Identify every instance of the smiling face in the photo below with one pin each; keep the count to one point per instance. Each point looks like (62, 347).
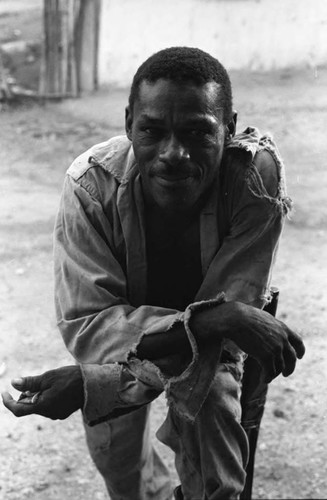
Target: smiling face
(178, 136)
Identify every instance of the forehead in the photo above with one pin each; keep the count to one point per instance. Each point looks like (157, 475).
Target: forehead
(185, 99)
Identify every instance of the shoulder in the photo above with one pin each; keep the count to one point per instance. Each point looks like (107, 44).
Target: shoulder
(252, 158)
(114, 156)
(267, 168)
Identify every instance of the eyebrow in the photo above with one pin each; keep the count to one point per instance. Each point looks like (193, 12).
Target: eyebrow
(203, 120)
(191, 121)
(150, 119)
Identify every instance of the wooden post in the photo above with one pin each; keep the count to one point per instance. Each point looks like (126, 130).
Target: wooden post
(5, 93)
(58, 66)
(87, 42)
(70, 53)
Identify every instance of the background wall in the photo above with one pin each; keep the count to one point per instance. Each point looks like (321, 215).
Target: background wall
(251, 34)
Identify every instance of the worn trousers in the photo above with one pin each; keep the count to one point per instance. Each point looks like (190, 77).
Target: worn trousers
(210, 454)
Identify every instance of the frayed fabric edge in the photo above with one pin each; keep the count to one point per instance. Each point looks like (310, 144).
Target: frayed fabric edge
(140, 367)
(135, 363)
(283, 201)
(189, 311)
(93, 383)
(255, 185)
(172, 403)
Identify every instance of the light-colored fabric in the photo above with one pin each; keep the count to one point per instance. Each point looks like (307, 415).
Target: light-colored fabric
(211, 454)
(129, 463)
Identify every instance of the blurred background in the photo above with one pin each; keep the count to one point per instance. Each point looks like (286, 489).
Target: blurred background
(65, 72)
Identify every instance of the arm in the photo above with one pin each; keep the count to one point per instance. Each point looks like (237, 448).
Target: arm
(56, 394)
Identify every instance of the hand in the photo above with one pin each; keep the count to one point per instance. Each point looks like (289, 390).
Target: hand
(55, 394)
(275, 346)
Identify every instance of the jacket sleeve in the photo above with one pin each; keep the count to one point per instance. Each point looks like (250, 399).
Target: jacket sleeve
(98, 325)
(96, 321)
(256, 207)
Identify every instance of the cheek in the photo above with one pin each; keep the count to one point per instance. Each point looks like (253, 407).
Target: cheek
(144, 153)
(208, 161)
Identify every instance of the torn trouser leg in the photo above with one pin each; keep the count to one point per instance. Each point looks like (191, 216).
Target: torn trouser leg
(127, 460)
(211, 453)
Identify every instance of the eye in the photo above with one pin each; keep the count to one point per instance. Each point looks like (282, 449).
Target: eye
(198, 133)
(150, 130)
(151, 134)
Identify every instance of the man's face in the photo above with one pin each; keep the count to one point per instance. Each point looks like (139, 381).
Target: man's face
(178, 137)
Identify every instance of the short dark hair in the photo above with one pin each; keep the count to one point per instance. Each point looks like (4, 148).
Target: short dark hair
(181, 64)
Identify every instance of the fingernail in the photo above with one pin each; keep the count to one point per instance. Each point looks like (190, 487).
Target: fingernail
(17, 381)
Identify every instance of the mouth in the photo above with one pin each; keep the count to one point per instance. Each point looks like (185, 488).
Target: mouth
(174, 180)
(174, 177)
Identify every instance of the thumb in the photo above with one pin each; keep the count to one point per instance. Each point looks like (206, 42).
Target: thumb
(32, 384)
(6, 397)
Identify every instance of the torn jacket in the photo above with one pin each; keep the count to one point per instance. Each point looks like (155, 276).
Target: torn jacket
(101, 268)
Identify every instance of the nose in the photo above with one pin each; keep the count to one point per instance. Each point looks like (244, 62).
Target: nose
(174, 152)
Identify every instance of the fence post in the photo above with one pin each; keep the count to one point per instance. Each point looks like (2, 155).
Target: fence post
(87, 42)
(70, 50)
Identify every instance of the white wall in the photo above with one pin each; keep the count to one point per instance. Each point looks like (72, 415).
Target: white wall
(253, 34)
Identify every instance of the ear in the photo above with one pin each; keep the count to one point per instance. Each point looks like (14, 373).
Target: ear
(232, 124)
(128, 122)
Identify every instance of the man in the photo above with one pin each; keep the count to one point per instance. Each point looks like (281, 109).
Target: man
(164, 246)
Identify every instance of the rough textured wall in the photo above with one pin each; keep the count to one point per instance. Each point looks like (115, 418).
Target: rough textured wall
(255, 34)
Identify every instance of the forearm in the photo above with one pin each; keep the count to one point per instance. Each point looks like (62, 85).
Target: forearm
(208, 326)
(164, 344)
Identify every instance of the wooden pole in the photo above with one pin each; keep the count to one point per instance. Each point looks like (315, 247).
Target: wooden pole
(87, 43)
(5, 92)
(58, 67)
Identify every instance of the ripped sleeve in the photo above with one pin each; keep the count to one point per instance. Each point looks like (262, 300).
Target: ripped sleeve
(266, 177)
(248, 253)
(257, 205)
(114, 389)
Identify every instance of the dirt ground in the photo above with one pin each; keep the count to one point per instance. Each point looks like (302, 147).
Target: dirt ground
(45, 460)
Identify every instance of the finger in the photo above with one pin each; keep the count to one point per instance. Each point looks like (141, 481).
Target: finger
(25, 395)
(268, 377)
(32, 384)
(297, 343)
(279, 363)
(290, 361)
(19, 409)
(29, 397)
(25, 398)
(269, 370)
